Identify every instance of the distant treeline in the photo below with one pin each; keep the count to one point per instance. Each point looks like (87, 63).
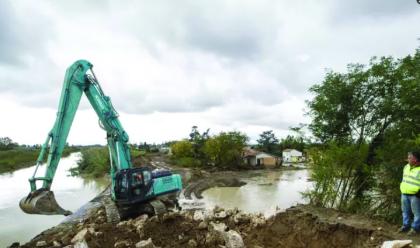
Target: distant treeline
(14, 156)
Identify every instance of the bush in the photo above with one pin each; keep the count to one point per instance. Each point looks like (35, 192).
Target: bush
(94, 162)
(335, 174)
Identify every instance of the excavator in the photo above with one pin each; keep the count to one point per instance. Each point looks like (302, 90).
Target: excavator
(133, 189)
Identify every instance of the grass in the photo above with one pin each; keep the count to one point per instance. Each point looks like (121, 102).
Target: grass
(18, 158)
(94, 162)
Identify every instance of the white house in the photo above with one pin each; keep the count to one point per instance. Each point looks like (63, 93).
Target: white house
(292, 155)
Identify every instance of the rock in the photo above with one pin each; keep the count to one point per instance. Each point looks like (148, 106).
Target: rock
(211, 239)
(233, 239)
(141, 219)
(100, 220)
(258, 221)
(122, 224)
(218, 227)
(122, 244)
(396, 243)
(56, 243)
(145, 244)
(198, 215)
(81, 244)
(14, 245)
(180, 237)
(41, 243)
(217, 209)
(170, 216)
(203, 225)
(154, 219)
(82, 235)
(192, 243)
(98, 234)
(220, 215)
(241, 218)
(140, 232)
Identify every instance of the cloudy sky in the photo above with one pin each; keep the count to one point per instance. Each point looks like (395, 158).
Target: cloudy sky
(168, 65)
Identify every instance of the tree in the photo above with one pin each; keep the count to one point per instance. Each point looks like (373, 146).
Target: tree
(374, 106)
(268, 142)
(7, 143)
(225, 149)
(182, 149)
(197, 140)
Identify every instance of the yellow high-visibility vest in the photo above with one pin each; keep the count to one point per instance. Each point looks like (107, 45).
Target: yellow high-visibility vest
(411, 180)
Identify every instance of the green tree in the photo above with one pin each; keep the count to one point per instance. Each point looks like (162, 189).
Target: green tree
(268, 142)
(197, 140)
(7, 143)
(374, 106)
(225, 149)
(182, 149)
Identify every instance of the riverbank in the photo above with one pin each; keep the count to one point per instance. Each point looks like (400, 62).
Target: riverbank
(300, 226)
(18, 158)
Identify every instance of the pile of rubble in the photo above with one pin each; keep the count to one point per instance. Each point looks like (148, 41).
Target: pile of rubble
(297, 227)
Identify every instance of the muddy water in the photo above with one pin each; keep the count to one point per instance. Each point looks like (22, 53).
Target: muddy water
(70, 192)
(264, 192)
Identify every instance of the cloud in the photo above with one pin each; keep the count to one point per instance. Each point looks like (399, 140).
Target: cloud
(25, 32)
(241, 64)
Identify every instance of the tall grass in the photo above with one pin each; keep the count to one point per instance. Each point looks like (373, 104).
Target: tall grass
(18, 158)
(94, 162)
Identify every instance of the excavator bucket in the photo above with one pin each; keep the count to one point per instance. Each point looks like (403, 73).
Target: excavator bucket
(42, 202)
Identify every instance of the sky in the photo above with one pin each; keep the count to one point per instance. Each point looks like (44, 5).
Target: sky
(236, 65)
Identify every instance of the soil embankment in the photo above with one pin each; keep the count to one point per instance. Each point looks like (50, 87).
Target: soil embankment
(300, 226)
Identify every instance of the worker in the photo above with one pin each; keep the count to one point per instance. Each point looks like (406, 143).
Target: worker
(410, 195)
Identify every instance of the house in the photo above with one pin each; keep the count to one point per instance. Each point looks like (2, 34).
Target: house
(292, 156)
(256, 158)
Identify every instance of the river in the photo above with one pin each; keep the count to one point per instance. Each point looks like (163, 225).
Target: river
(265, 190)
(71, 193)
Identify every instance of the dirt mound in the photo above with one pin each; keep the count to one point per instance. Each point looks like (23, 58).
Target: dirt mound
(302, 226)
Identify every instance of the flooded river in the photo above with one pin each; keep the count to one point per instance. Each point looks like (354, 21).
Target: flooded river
(265, 190)
(71, 193)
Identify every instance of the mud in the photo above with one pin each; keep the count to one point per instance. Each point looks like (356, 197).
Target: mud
(301, 226)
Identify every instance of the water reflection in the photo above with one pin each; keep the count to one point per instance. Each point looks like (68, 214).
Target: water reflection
(71, 193)
(263, 193)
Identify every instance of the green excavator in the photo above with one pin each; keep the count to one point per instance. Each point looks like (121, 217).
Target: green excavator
(133, 190)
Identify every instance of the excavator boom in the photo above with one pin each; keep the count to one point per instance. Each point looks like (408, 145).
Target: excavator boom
(80, 79)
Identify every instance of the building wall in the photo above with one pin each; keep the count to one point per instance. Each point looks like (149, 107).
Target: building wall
(269, 161)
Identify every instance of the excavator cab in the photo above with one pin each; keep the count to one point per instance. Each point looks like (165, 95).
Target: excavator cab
(137, 185)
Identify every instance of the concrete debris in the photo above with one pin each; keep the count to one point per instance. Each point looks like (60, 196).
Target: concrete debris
(145, 244)
(233, 239)
(41, 243)
(397, 244)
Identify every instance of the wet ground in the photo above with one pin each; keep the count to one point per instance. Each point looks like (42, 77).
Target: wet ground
(301, 226)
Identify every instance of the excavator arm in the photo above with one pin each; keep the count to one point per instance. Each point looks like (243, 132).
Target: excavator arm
(77, 80)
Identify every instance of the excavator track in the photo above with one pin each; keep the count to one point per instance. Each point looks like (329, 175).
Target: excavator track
(158, 207)
(111, 210)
